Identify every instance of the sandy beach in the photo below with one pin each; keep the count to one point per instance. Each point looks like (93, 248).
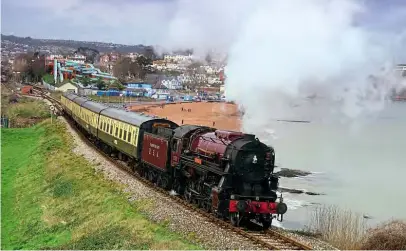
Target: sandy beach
(218, 115)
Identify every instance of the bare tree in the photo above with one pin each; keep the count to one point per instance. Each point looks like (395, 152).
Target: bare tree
(6, 72)
(127, 69)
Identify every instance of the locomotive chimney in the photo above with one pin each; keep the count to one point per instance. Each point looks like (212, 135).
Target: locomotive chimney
(249, 136)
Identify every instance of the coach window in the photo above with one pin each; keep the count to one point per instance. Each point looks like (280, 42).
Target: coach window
(121, 133)
(111, 128)
(104, 126)
(116, 134)
(129, 137)
(125, 135)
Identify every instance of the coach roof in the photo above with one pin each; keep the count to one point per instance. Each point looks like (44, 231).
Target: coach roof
(70, 96)
(95, 107)
(79, 100)
(128, 117)
(114, 113)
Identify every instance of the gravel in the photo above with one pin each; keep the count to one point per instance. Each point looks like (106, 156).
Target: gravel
(161, 209)
(310, 241)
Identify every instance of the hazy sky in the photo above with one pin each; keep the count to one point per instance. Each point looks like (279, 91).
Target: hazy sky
(152, 21)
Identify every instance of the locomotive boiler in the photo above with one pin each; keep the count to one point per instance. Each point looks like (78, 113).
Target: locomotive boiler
(228, 173)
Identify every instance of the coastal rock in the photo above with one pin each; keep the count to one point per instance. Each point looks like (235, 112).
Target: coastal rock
(291, 173)
(297, 191)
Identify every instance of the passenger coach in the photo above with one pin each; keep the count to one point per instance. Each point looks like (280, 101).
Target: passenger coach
(117, 130)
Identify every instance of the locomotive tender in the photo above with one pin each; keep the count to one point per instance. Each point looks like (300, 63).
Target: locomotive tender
(224, 172)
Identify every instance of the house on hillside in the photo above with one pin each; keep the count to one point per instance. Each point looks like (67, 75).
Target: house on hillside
(171, 83)
(160, 91)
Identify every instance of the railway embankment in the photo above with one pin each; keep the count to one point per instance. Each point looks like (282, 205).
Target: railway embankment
(52, 198)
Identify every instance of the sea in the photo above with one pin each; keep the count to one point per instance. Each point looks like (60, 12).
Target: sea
(358, 166)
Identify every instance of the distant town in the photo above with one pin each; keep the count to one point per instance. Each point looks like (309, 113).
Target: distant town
(93, 68)
(107, 69)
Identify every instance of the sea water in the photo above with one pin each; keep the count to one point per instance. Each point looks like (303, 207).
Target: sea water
(361, 167)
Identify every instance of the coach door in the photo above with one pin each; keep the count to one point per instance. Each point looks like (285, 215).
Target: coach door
(175, 148)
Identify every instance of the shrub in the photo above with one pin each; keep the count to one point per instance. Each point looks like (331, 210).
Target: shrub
(388, 236)
(341, 228)
(31, 109)
(49, 79)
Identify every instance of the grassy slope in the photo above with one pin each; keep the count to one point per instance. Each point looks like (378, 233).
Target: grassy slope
(52, 198)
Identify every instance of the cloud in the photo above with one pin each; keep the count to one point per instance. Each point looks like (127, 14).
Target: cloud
(173, 23)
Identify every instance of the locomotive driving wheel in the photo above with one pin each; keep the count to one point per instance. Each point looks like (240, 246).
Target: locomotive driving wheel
(151, 176)
(163, 181)
(207, 206)
(188, 195)
(201, 203)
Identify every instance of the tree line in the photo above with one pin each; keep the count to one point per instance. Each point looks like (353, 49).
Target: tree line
(126, 69)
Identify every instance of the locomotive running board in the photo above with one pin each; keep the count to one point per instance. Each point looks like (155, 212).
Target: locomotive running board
(202, 167)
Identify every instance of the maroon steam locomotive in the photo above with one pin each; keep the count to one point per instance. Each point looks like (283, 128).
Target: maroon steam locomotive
(224, 172)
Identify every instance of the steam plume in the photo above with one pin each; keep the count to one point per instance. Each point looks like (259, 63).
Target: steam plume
(288, 50)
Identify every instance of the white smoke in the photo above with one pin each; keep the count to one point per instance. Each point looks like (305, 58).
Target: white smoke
(282, 51)
(288, 50)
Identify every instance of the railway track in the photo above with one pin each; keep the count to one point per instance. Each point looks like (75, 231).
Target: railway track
(269, 239)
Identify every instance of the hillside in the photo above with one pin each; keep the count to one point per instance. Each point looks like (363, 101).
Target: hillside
(73, 44)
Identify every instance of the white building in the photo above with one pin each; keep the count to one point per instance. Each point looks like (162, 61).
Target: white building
(78, 58)
(54, 56)
(133, 56)
(178, 58)
(67, 87)
(171, 83)
(214, 80)
(184, 79)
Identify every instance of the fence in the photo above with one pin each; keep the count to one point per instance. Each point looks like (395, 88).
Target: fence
(4, 122)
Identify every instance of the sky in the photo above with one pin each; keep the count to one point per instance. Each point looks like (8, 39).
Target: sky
(179, 22)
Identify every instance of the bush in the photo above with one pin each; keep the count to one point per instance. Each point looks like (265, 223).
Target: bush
(49, 79)
(28, 109)
(341, 228)
(388, 236)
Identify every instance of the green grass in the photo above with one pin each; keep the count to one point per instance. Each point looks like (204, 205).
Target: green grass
(53, 199)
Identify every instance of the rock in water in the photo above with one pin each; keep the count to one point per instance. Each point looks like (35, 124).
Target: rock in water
(291, 173)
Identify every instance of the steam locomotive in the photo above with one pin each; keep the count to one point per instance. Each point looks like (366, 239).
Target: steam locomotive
(227, 173)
